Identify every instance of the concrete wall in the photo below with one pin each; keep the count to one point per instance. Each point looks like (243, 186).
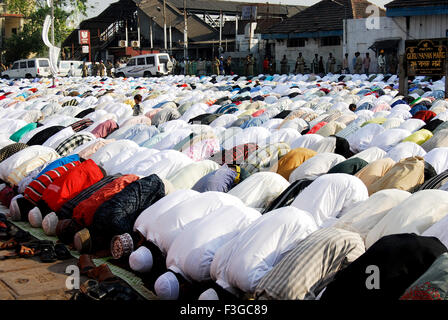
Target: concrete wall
(359, 38)
(312, 47)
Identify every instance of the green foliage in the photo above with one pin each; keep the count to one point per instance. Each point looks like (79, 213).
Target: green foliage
(29, 40)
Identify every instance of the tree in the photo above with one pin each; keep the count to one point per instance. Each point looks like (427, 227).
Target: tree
(29, 39)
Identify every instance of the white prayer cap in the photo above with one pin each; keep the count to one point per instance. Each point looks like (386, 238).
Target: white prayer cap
(141, 260)
(49, 224)
(14, 210)
(209, 294)
(35, 217)
(167, 286)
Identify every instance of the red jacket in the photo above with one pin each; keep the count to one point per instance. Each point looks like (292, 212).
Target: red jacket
(69, 186)
(33, 192)
(84, 211)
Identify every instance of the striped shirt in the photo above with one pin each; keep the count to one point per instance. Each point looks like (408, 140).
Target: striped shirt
(81, 124)
(305, 271)
(435, 182)
(37, 187)
(264, 158)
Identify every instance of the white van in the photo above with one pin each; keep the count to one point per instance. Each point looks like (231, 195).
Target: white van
(64, 67)
(28, 68)
(147, 65)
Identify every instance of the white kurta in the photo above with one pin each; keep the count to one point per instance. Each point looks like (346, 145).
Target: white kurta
(259, 189)
(362, 217)
(330, 195)
(243, 261)
(405, 150)
(414, 215)
(438, 158)
(151, 214)
(192, 252)
(169, 225)
(316, 166)
(187, 177)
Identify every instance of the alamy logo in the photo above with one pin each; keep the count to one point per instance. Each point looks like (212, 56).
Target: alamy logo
(373, 280)
(373, 20)
(72, 281)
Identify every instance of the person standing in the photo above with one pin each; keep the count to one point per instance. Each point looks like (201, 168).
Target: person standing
(358, 63)
(71, 72)
(315, 64)
(393, 64)
(300, 64)
(109, 67)
(102, 69)
(84, 70)
(250, 65)
(331, 63)
(216, 64)
(284, 65)
(266, 65)
(321, 65)
(228, 65)
(221, 65)
(382, 62)
(366, 63)
(345, 67)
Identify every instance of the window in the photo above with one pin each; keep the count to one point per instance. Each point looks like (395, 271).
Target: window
(31, 64)
(43, 63)
(297, 42)
(15, 66)
(163, 59)
(22, 64)
(131, 63)
(331, 41)
(150, 61)
(14, 30)
(141, 61)
(65, 65)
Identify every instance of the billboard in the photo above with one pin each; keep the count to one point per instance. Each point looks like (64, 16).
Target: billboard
(249, 13)
(426, 57)
(84, 37)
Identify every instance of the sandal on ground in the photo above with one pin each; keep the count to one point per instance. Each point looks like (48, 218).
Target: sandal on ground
(62, 252)
(8, 245)
(102, 273)
(47, 253)
(85, 264)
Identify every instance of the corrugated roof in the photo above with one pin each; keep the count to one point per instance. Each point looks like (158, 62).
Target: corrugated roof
(197, 29)
(415, 3)
(325, 15)
(233, 7)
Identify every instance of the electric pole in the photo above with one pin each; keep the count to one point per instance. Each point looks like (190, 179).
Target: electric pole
(164, 25)
(185, 32)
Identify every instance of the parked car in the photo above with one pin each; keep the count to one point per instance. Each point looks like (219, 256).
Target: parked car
(147, 65)
(64, 67)
(28, 68)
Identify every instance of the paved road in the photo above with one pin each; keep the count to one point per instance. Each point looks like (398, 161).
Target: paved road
(31, 279)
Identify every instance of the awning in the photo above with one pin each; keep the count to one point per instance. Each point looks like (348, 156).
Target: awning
(385, 44)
